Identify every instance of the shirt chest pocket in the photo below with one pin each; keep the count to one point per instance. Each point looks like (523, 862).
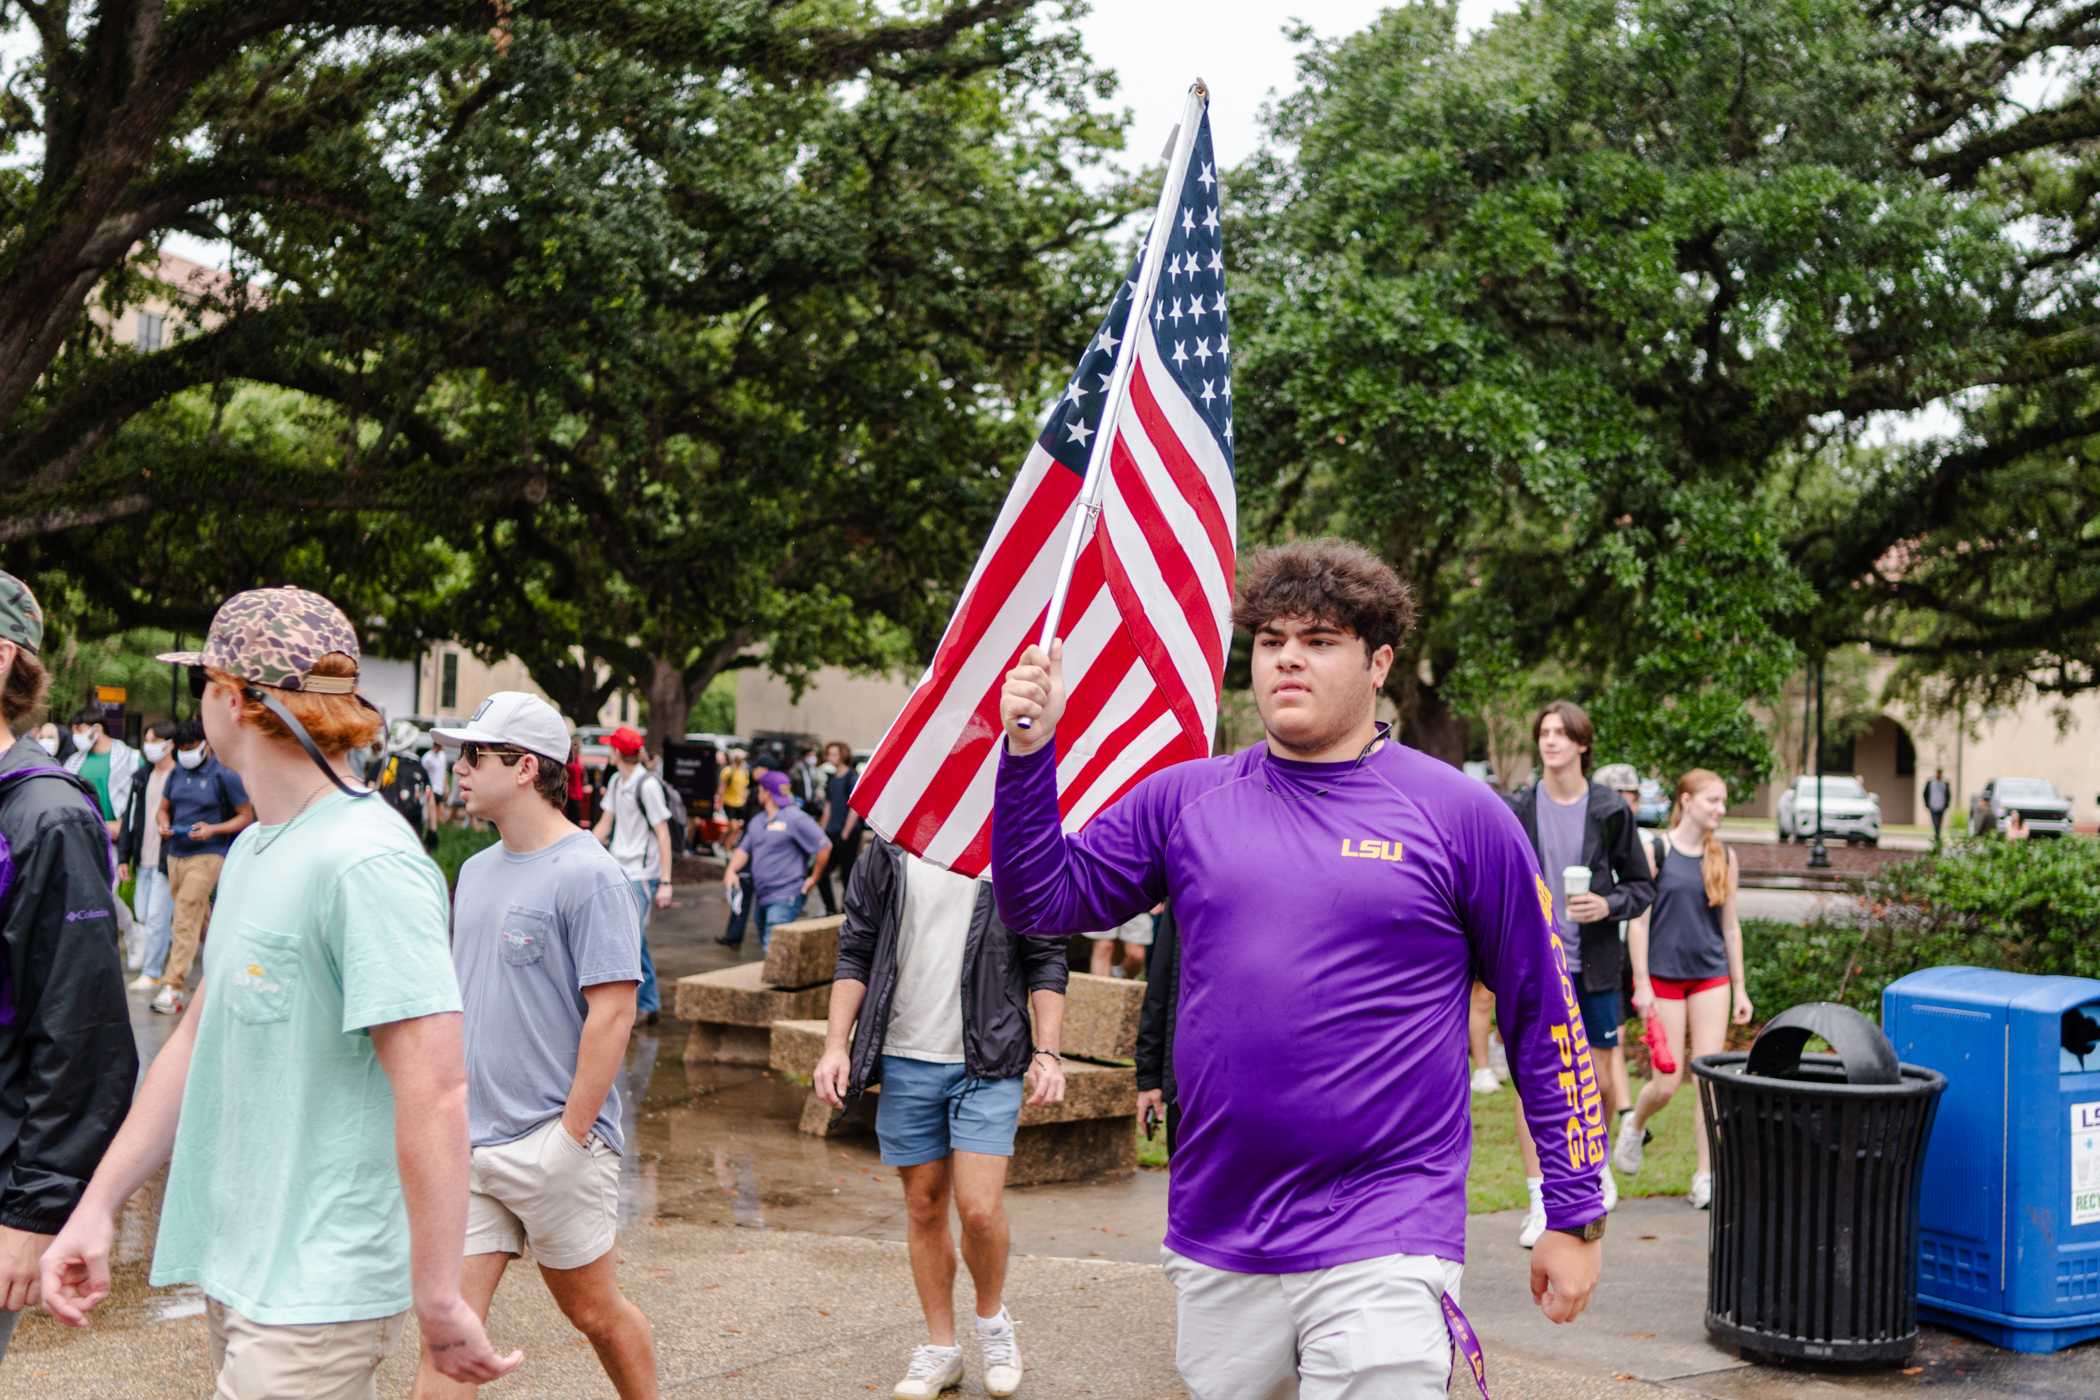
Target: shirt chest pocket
(524, 935)
(265, 976)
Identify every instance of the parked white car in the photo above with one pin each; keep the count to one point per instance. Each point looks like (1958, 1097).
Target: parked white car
(1849, 810)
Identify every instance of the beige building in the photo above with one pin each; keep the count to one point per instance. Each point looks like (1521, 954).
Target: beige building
(450, 682)
(836, 704)
(162, 315)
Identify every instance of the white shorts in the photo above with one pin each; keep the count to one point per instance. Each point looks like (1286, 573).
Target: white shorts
(1136, 932)
(1372, 1330)
(545, 1191)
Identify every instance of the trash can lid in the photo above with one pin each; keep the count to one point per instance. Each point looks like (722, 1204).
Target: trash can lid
(1861, 1048)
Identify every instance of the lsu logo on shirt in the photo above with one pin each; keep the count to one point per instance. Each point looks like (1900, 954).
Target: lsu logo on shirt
(1546, 902)
(1370, 848)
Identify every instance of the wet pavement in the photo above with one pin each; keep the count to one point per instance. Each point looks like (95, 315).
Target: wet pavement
(772, 1264)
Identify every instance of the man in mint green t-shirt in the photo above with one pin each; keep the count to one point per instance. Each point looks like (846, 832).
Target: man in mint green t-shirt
(317, 1178)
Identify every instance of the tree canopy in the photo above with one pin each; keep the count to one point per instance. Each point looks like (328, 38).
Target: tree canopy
(1598, 323)
(621, 337)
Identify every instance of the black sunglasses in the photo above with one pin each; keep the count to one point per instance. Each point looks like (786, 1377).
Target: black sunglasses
(471, 751)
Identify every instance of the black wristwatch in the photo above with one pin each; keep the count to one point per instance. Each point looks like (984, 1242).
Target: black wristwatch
(1586, 1233)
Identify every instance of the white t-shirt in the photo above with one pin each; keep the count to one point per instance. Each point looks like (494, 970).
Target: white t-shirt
(926, 1014)
(637, 806)
(436, 769)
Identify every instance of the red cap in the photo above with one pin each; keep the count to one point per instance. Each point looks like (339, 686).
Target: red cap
(627, 739)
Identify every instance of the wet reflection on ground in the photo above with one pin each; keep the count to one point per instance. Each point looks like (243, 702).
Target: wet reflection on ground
(713, 1144)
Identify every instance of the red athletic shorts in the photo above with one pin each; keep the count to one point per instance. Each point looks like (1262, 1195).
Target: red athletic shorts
(1671, 989)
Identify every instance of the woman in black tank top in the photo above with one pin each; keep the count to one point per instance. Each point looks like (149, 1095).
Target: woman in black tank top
(1687, 955)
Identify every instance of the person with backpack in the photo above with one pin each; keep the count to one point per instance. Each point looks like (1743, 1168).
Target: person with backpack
(204, 808)
(67, 1055)
(636, 827)
(1687, 956)
(399, 776)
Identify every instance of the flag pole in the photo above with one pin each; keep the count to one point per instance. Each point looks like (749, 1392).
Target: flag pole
(1182, 142)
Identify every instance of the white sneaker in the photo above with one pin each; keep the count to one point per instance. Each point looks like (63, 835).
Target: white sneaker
(1001, 1352)
(1626, 1155)
(1484, 1081)
(933, 1369)
(144, 983)
(1702, 1197)
(1611, 1193)
(169, 1002)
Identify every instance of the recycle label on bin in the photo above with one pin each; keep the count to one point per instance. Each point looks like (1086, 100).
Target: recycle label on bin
(2085, 1163)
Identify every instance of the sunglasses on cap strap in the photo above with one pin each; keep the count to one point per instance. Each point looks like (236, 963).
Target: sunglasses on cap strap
(471, 751)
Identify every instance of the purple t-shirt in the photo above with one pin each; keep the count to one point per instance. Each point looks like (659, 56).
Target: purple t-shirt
(1328, 944)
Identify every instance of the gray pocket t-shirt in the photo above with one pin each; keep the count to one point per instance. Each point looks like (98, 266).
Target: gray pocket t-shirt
(529, 933)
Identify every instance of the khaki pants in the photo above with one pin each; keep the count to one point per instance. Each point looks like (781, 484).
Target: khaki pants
(315, 1361)
(1372, 1330)
(191, 879)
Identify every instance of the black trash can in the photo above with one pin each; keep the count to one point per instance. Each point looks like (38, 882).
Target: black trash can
(1813, 1245)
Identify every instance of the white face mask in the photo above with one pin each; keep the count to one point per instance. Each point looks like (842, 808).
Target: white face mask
(82, 738)
(155, 751)
(190, 758)
(49, 746)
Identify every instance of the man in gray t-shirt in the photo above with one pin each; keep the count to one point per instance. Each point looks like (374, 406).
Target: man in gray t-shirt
(547, 942)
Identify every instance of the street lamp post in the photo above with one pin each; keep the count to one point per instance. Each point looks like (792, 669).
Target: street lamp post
(1819, 854)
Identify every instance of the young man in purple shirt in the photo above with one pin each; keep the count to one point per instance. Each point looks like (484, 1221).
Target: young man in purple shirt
(1336, 893)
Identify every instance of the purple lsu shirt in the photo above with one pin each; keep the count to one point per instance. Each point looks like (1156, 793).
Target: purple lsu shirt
(1327, 947)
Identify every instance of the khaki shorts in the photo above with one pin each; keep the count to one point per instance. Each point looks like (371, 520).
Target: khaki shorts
(545, 1191)
(316, 1361)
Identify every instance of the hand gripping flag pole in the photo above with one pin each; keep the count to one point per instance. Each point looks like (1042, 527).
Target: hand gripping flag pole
(1180, 144)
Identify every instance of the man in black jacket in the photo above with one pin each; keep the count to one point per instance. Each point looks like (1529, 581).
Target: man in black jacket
(1159, 1098)
(1583, 829)
(67, 1058)
(934, 993)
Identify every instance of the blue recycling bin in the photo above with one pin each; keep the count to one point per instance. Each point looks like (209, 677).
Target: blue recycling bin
(2009, 1238)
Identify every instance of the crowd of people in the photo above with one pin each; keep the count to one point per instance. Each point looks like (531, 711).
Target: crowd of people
(446, 1061)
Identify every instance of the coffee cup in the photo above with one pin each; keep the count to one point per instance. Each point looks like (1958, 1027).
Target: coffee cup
(1575, 880)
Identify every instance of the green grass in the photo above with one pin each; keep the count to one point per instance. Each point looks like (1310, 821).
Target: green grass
(456, 843)
(1496, 1181)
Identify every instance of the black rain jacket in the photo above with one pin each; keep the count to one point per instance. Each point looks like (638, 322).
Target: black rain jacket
(68, 1062)
(999, 971)
(1611, 848)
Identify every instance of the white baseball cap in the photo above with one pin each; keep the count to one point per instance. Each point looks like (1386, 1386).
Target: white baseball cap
(516, 719)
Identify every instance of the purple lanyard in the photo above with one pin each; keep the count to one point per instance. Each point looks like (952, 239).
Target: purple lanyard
(1468, 1343)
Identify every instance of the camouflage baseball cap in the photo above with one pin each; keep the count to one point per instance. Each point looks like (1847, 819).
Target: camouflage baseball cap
(275, 637)
(21, 620)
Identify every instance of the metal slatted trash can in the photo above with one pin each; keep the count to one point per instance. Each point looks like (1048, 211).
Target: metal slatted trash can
(1813, 1244)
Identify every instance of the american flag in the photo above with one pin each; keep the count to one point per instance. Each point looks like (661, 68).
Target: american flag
(1147, 621)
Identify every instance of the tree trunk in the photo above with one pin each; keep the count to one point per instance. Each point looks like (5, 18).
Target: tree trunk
(670, 701)
(1427, 722)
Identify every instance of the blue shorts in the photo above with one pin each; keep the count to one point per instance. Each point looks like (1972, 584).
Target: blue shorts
(1602, 1017)
(926, 1111)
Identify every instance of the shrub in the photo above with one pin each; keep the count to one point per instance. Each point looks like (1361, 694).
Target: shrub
(2024, 906)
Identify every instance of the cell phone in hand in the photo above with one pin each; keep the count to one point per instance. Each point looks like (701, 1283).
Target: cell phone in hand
(1151, 1121)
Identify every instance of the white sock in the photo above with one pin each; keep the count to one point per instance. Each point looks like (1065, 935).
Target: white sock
(1536, 1185)
(953, 1346)
(996, 1324)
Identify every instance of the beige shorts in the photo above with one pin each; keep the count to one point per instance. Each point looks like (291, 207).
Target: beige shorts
(545, 1191)
(316, 1361)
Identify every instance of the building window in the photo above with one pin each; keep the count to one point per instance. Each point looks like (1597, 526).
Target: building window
(153, 330)
(1906, 754)
(626, 708)
(448, 684)
(1837, 757)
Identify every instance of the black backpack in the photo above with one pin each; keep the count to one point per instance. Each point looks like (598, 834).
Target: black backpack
(400, 780)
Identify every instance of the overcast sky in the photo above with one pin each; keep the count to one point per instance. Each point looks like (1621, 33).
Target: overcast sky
(1158, 47)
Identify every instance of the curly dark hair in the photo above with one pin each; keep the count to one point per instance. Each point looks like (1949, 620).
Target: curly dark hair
(1326, 580)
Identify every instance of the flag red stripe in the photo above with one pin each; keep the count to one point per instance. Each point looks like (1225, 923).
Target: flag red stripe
(1111, 748)
(1171, 559)
(1032, 531)
(1182, 467)
(959, 767)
